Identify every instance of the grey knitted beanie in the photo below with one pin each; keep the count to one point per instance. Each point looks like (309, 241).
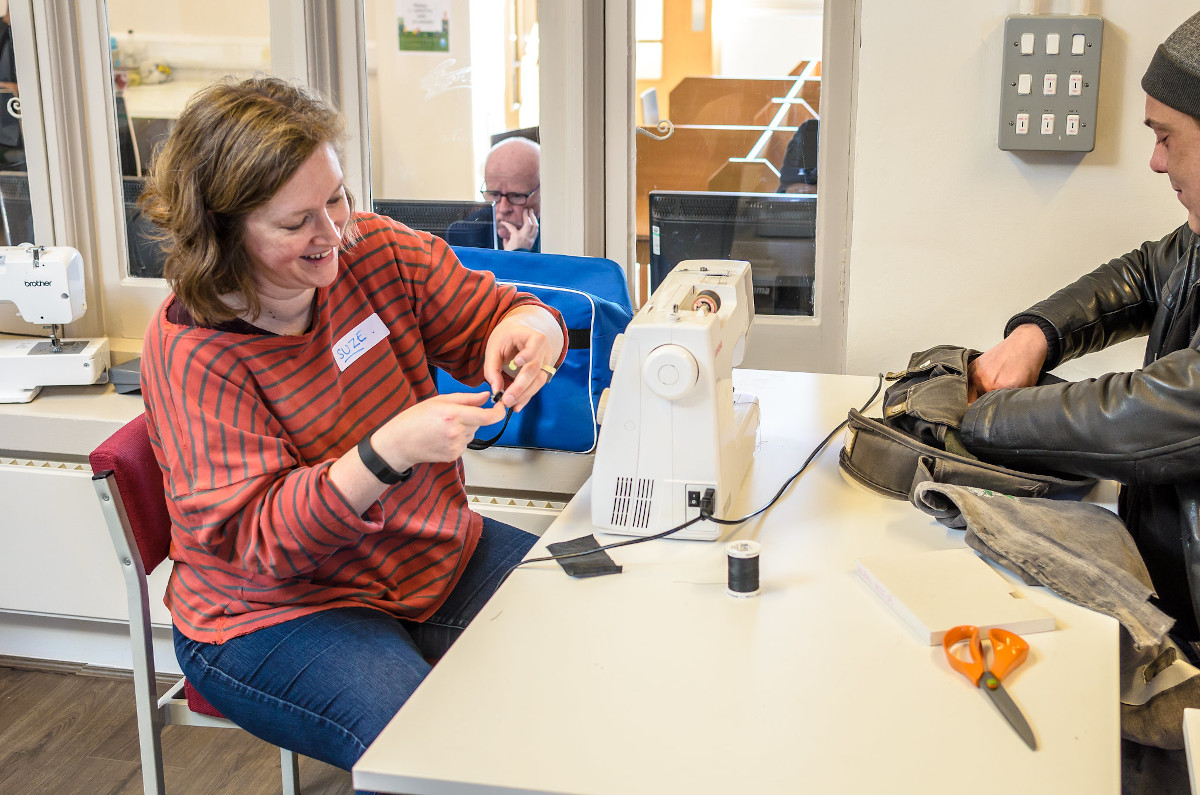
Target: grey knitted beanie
(1174, 74)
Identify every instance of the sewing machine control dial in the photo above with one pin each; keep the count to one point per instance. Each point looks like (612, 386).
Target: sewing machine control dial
(615, 354)
(602, 405)
(670, 371)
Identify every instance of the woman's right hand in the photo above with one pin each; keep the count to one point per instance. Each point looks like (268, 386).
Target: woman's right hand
(436, 429)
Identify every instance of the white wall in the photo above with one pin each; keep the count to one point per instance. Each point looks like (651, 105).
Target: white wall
(422, 129)
(752, 38)
(952, 236)
(194, 39)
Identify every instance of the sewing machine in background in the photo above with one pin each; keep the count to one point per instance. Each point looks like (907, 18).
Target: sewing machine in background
(46, 284)
(673, 436)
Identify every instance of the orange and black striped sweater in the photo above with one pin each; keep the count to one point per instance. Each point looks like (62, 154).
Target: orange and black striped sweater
(246, 426)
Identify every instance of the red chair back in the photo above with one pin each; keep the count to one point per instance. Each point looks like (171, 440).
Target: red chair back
(130, 457)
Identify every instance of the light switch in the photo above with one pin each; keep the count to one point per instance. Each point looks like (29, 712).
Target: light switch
(1048, 97)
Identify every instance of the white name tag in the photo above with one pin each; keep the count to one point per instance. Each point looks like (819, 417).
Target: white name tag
(365, 336)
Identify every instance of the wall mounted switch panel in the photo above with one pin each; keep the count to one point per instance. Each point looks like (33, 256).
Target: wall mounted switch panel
(1050, 74)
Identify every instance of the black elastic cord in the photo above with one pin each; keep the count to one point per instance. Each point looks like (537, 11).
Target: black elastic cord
(483, 444)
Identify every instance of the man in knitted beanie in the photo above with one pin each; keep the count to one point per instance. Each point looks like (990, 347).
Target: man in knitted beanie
(1140, 428)
(1172, 86)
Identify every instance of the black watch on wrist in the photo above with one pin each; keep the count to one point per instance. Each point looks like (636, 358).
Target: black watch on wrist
(378, 467)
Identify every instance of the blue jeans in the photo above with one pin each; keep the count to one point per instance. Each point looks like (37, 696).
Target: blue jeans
(326, 684)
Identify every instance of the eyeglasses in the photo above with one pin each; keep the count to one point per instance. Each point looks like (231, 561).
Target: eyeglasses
(515, 199)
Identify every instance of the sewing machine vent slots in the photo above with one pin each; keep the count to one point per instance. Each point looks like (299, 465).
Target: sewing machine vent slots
(673, 434)
(630, 509)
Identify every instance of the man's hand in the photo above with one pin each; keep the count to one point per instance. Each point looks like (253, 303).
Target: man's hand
(1015, 362)
(520, 237)
(530, 337)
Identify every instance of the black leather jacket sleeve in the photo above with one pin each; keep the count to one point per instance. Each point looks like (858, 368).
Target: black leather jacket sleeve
(1115, 302)
(1137, 427)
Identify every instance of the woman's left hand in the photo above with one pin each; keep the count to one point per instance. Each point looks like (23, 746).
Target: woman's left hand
(532, 339)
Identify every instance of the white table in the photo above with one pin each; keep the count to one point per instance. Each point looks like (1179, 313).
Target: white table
(160, 100)
(657, 681)
(1191, 745)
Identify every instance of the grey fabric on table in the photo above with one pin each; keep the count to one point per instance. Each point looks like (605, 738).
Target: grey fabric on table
(1080, 551)
(1083, 553)
(1159, 722)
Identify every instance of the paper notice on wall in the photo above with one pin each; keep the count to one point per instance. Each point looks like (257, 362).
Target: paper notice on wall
(423, 25)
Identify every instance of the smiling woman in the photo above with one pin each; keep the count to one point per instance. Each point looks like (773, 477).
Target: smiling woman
(320, 526)
(293, 242)
(222, 249)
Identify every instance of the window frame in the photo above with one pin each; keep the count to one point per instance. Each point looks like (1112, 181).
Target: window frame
(588, 123)
(815, 344)
(71, 140)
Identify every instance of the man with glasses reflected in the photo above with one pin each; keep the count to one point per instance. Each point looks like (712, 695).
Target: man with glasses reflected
(511, 182)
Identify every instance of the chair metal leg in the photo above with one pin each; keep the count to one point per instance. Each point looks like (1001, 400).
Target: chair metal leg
(149, 717)
(150, 744)
(289, 761)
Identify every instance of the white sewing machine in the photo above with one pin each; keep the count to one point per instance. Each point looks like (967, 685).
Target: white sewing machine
(672, 433)
(46, 284)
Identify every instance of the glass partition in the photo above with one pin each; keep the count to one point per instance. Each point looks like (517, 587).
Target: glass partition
(16, 212)
(739, 82)
(446, 81)
(162, 53)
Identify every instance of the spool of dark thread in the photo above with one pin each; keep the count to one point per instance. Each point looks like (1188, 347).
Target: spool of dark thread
(743, 568)
(707, 299)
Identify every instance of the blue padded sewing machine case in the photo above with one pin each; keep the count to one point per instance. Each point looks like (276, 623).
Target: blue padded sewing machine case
(593, 298)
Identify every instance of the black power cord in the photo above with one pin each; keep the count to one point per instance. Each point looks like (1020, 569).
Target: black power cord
(816, 451)
(703, 514)
(27, 336)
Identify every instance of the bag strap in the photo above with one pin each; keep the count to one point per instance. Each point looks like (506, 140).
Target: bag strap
(579, 339)
(891, 462)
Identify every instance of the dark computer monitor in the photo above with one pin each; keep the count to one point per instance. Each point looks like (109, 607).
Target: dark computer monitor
(459, 223)
(16, 211)
(16, 222)
(146, 257)
(774, 232)
(132, 188)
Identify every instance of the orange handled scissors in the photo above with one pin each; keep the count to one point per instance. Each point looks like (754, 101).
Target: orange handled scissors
(1008, 651)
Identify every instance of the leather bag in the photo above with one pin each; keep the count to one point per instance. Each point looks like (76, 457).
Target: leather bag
(917, 439)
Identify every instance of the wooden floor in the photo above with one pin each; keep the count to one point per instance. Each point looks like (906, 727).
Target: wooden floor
(69, 731)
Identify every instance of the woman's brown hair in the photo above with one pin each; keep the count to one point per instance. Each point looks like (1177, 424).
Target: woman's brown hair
(231, 150)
